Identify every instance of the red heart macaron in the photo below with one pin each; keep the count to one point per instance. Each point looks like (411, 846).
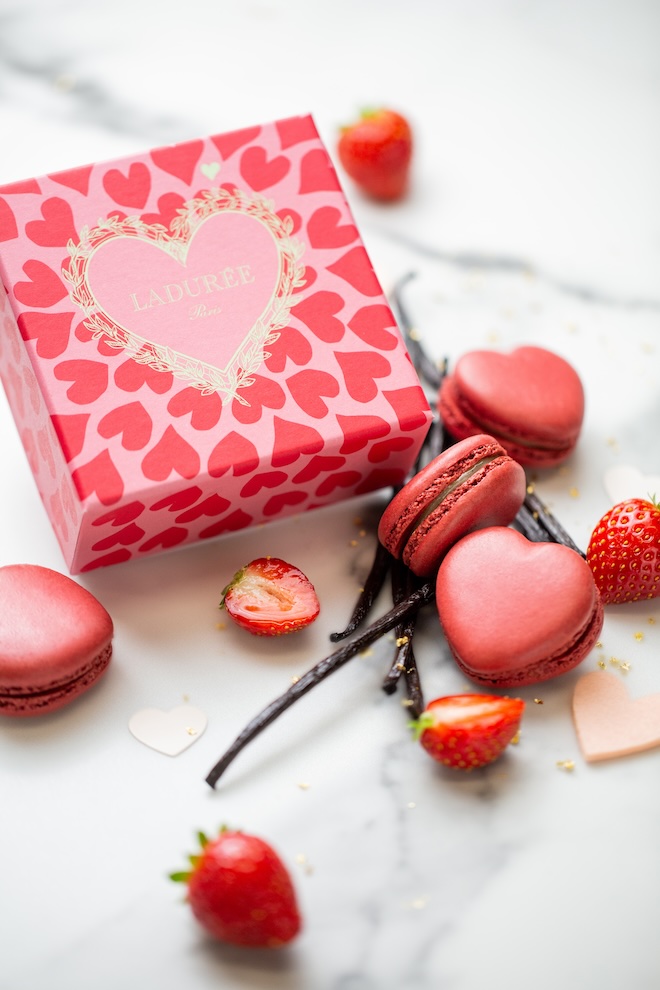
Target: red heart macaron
(55, 640)
(530, 399)
(516, 612)
(472, 484)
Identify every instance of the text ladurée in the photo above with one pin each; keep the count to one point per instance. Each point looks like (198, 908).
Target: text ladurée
(231, 277)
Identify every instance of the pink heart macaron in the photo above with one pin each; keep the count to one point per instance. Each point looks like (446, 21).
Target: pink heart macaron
(472, 484)
(530, 399)
(516, 612)
(55, 640)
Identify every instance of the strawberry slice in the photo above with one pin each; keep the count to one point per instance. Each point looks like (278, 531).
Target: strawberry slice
(466, 731)
(269, 597)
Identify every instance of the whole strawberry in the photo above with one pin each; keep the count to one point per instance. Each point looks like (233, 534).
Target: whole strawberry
(240, 891)
(269, 597)
(467, 731)
(624, 552)
(376, 152)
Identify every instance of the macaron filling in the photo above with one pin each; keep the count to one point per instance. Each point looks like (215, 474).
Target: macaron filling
(437, 500)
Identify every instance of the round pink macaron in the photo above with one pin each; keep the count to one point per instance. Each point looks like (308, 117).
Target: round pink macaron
(530, 399)
(472, 484)
(55, 640)
(516, 612)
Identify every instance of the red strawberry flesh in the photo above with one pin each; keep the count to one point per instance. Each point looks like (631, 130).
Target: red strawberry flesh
(270, 597)
(466, 731)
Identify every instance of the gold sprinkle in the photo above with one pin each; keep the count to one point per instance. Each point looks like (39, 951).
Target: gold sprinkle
(599, 645)
(362, 532)
(301, 858)
(400, 666)
(573, 492)
(303, 785)
(516, 739)
(538, 701)
(221, 625)
(639, 636)
(366, 653)
(352, 543)
(613, 661)
(191, 731)
(625, 667)
(402, 640)
(414, 334)
(651, 620)
(406, 702)
(530, 489)
(186, 698)
(602, 664)
(566, 765)
(295, 679)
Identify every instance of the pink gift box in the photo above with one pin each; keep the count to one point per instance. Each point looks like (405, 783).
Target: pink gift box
(194, 341)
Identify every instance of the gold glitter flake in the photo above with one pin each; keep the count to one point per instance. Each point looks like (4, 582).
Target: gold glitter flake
(295, 679)
(303, 785)
(567, 765)
(614, 661)
(651, 620)
(639, 636)
(538, 701)
(220, 626)
(516, 739)
(624, 666)
(406, 702)
(402, 640)
(573, 492)
(352, 543)
(602, 664)
(191, 731)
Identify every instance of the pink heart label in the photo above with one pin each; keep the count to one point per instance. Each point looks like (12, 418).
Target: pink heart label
(201, 302)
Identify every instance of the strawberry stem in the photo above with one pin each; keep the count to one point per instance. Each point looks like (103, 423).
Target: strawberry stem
(319, 672)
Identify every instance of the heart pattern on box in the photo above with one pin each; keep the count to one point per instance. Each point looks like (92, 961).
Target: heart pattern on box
(608, 722)
(171, 732)
(226, 271)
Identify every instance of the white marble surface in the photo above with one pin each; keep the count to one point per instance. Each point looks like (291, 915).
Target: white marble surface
(533, 217)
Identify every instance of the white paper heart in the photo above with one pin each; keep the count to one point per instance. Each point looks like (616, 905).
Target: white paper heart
(623, 482)
(210, 170)
(170, 732)
(608, 722)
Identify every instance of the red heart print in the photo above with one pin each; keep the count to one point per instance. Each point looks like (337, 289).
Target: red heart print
(107, 560)
(308, 278)
(238, 519)
(120, 516)
(295, 130)
(325, 229)
(212, 506)
(263, 392)
(168, 206)
(204, 410)
(360, 430)
(316, 466)
(83, 333)
(410, 407)
(74, 178)
(227, 144)
(132, 421)
(317, 313)
(290, 344)
(32, 388)
(131, 375)
(342, 479)
(169, 538)
(179, 159)
(46, 451)
(70, 431)
(57, 227)
(234, 451)
(128, 190)
(8, 228)
(22, 186)
(360, 370)
(370, 322)
(283, 500)
(292, 440)
(382, 450)
(178, 500)
(50, 330)
(171, 454)
(44, 289)
(317, 173)
(259, 172)
(57, 515)
(264, 479)
(89, 379)
(124, 537)
(307, 388)
(355, 268)
(99, 477)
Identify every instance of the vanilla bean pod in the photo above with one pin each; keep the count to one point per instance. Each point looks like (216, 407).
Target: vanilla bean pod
(424, 366)
(529, 525)
(319, 672)
(368, 594)
(545, 518)
(404, 661)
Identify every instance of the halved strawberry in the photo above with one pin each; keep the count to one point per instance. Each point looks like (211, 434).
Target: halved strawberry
(466, 731)
(269, 597)
(241, 891)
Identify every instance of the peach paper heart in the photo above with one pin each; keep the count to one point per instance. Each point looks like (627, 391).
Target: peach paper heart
(608, 722)
(170, 732)
(201, 301)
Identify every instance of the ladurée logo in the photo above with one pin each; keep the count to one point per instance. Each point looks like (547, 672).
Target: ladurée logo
(193, 287)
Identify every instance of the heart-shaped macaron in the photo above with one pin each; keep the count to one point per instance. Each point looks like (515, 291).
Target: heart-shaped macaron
(516, 612)
(608, 722)
(169, 732)
(530, 399)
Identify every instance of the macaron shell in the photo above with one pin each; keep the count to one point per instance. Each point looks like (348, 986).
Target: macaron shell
(516, 612)
(531, 400)
(490, 496)
(55, 639)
